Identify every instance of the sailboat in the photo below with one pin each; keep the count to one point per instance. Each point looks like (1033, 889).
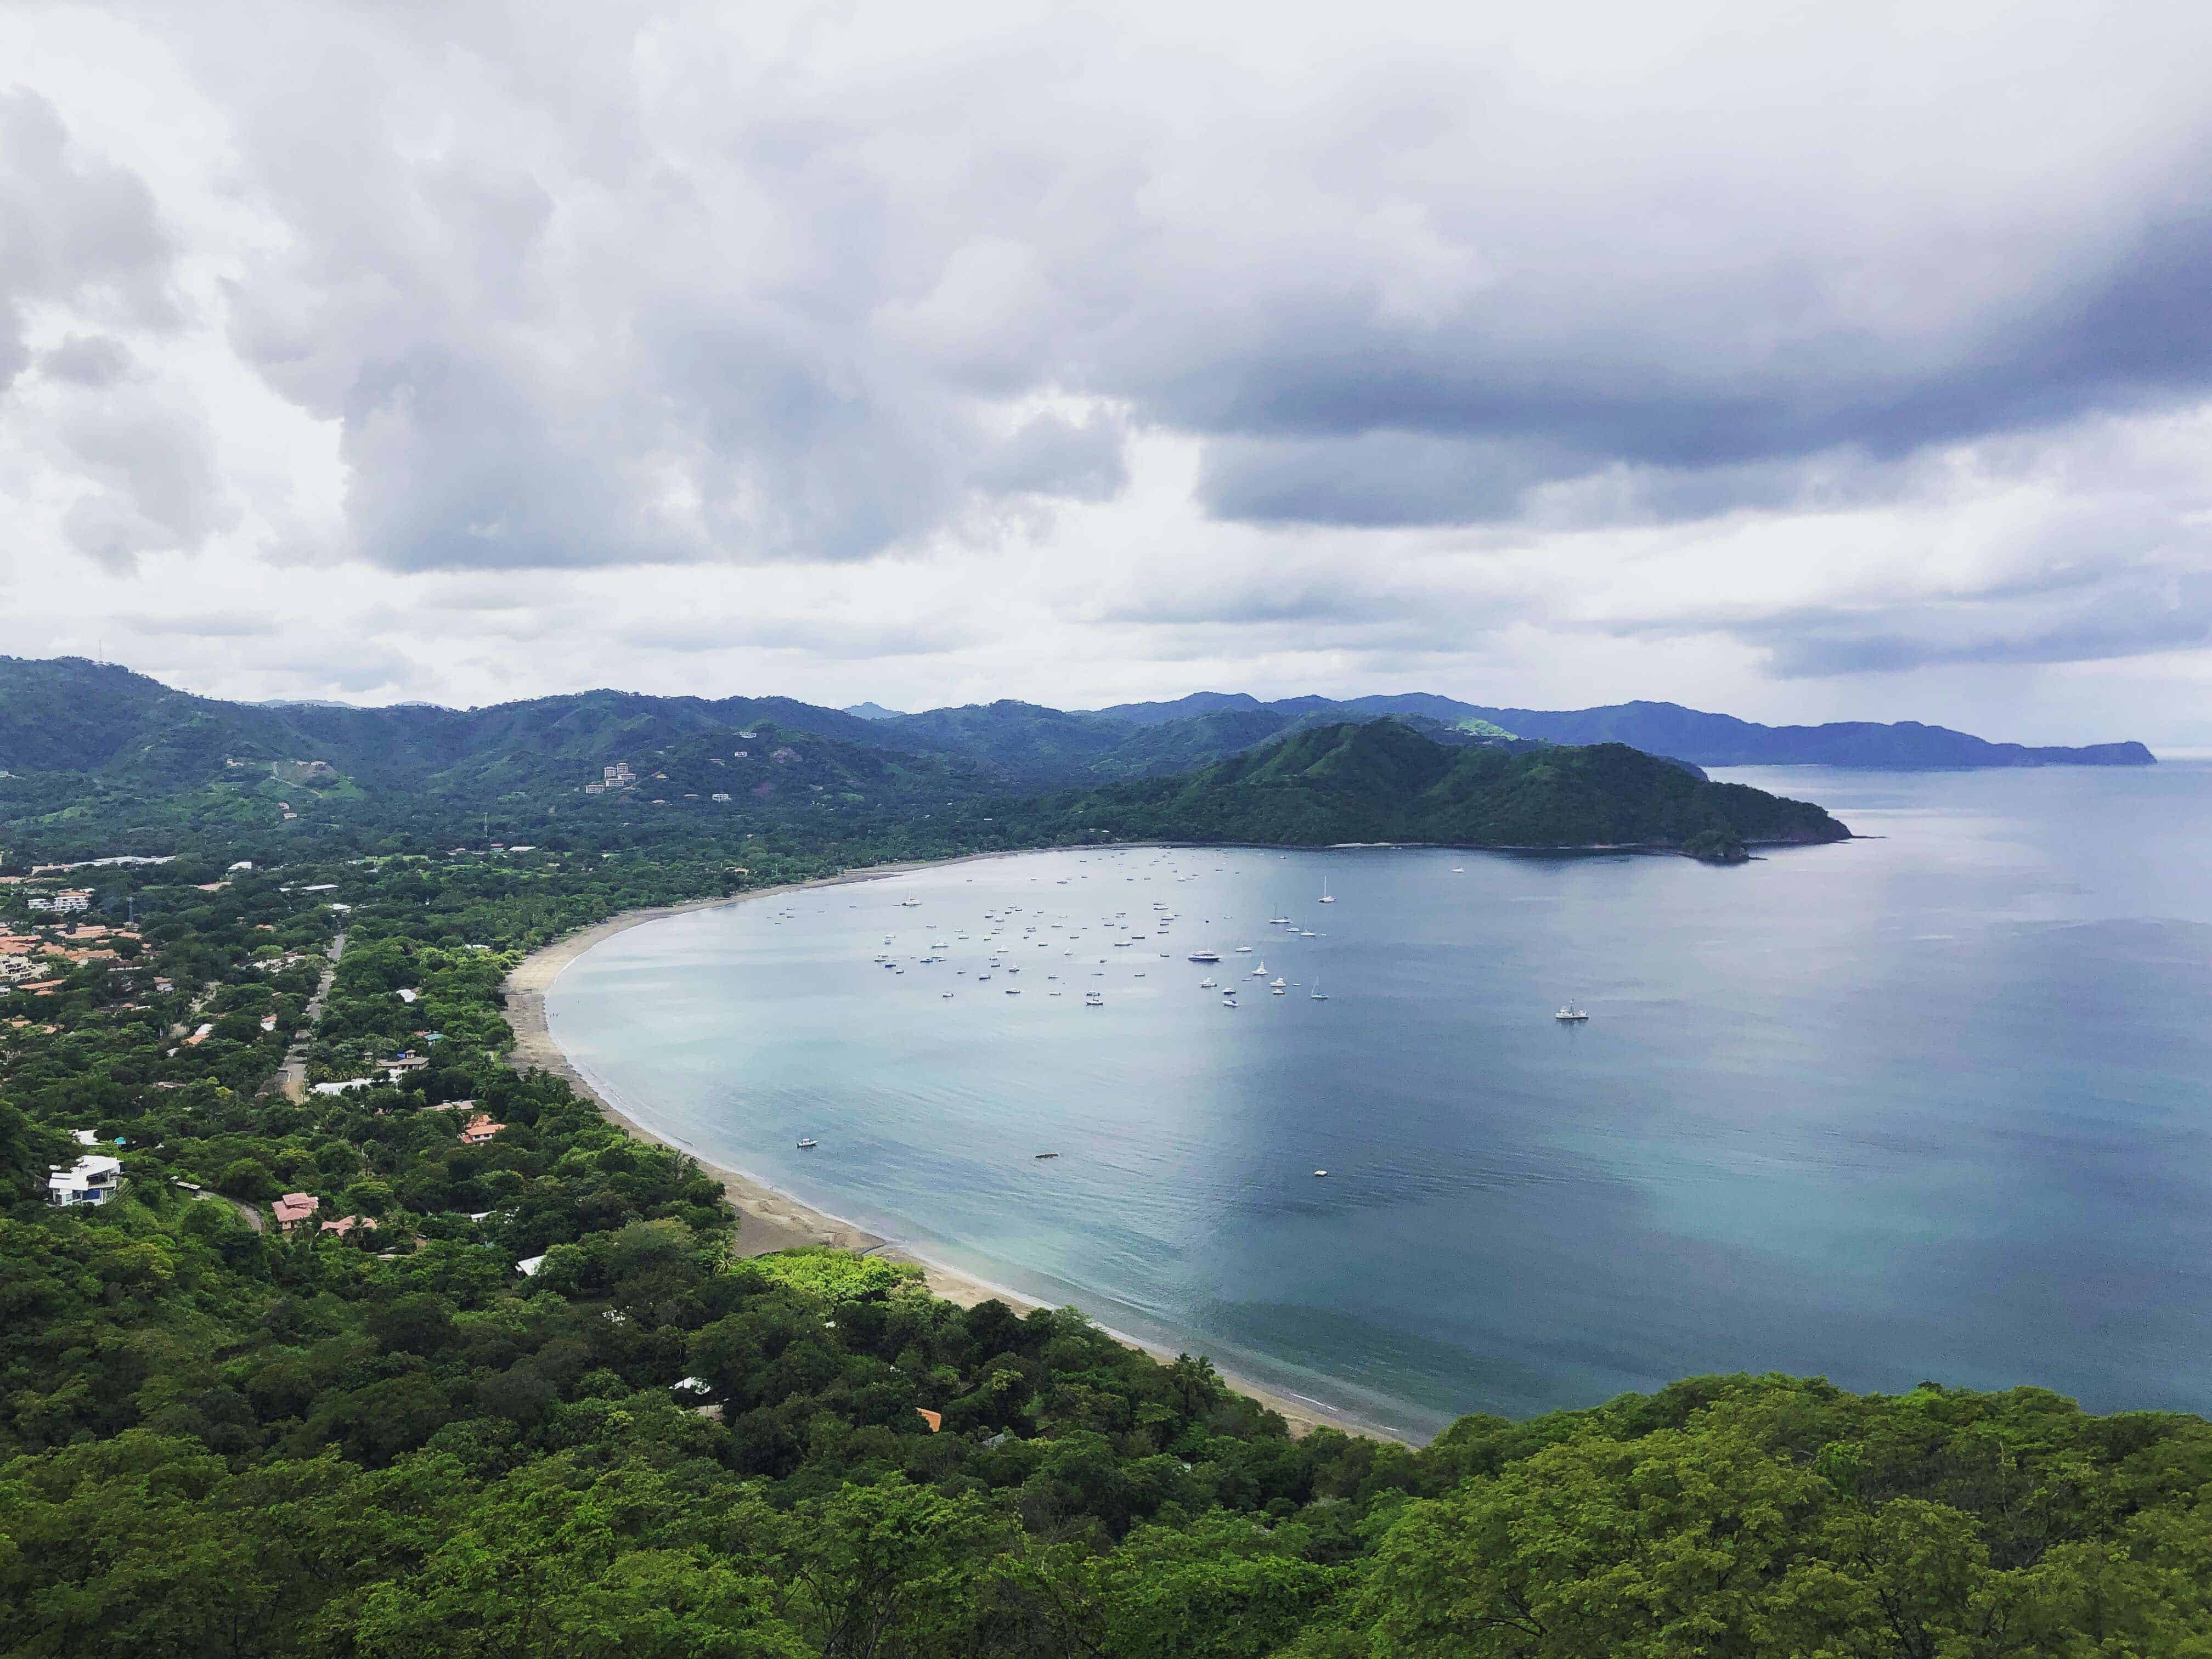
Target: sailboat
(1261, 972)
(1325, 899)
(1316, 994)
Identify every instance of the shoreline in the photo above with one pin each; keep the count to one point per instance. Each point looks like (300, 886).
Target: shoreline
(770, 1218)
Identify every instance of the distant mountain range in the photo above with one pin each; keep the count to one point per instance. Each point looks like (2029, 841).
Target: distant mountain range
(1667, 728)
(67, 716)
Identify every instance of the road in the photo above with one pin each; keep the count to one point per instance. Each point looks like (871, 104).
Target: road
(292, 1075)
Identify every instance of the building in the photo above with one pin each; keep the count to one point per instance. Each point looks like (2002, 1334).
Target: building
(91, 1179)
(296, 1209)
(346, 1223)
(479, 1129)
(64, 903)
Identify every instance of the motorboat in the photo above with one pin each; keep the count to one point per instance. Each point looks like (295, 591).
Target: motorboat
(807, 1143)
(1570, 1014)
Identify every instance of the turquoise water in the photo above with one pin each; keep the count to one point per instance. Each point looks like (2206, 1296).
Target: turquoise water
(1932, 1105)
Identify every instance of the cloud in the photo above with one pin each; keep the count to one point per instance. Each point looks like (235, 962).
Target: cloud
(994, 347)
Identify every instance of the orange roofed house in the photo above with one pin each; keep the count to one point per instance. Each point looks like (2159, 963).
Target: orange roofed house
(479, 1129)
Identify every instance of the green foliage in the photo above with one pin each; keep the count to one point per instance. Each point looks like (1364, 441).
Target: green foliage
(836, 1275)
(1385, 782)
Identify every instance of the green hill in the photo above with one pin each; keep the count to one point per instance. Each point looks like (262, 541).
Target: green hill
(1384, 781)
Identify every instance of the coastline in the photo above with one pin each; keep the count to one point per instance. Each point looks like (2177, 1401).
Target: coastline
(771, 1220)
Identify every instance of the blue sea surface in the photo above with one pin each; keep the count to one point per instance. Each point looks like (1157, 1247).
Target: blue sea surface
(1932, 1104)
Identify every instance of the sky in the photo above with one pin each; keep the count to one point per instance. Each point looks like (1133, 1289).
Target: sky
(1802, 361)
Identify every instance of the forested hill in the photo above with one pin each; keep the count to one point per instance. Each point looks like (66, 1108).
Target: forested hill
(1662, 728)
(1383, 781)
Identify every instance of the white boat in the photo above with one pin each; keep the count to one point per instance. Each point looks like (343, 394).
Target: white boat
(1316, 994)
(1325, 899)
(807, 1143)
(909, 904)
(1242, 950)
(1570, 1014)
(1207, 984)
(1319, 1174)
(1278, 921)
(1094, 998)
(1261, 972)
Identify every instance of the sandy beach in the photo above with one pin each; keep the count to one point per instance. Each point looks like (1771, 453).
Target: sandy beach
(771, 1220)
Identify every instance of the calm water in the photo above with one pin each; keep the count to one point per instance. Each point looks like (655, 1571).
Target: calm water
(1932, 1105)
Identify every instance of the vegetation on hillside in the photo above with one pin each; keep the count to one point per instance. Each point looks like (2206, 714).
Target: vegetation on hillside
(1383, 781)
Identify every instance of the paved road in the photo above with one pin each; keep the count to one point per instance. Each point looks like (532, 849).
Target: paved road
(246, 1212)
(292, 1075)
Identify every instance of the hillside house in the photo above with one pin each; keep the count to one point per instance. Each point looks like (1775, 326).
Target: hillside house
(62, 904)
(93, 1179)
(479, 1129)
(296, 1209)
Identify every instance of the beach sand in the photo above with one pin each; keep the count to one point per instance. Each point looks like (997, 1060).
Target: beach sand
(770, 1220)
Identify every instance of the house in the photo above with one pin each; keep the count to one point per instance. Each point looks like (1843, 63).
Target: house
(199, 1036)
(91, 1179)
(295, 1209)
(479, 1129)
(346, 1223)
(529, 1264)
(64, 903)
(15, 968)
(720, 796)
(341, 1088)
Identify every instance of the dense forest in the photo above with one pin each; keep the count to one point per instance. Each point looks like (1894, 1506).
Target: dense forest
(1383, 781)
(384, 1348)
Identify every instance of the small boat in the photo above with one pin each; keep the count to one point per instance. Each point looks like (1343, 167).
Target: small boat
(1243, 950)
(1319, 1174)
(1207, 984)
(909, 904)
(1205, 956)
(807, 1143)
(1043, 1156)
(1570, 1014)
(1278, 921)
(1094, 998)
(1325, 899)
(1316, 994)
(1261, 972)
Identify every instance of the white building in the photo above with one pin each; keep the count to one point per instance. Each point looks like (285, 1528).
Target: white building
(63, 904)
(90, 1180)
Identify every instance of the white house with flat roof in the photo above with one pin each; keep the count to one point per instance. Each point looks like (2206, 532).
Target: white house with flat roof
(91, 1180)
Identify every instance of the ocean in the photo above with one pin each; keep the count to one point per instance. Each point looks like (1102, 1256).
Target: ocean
(1932, 1104)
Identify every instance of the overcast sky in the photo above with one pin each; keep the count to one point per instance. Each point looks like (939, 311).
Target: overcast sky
(1804, 361)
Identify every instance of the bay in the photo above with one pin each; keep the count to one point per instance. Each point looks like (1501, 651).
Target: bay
(1928, 1104)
